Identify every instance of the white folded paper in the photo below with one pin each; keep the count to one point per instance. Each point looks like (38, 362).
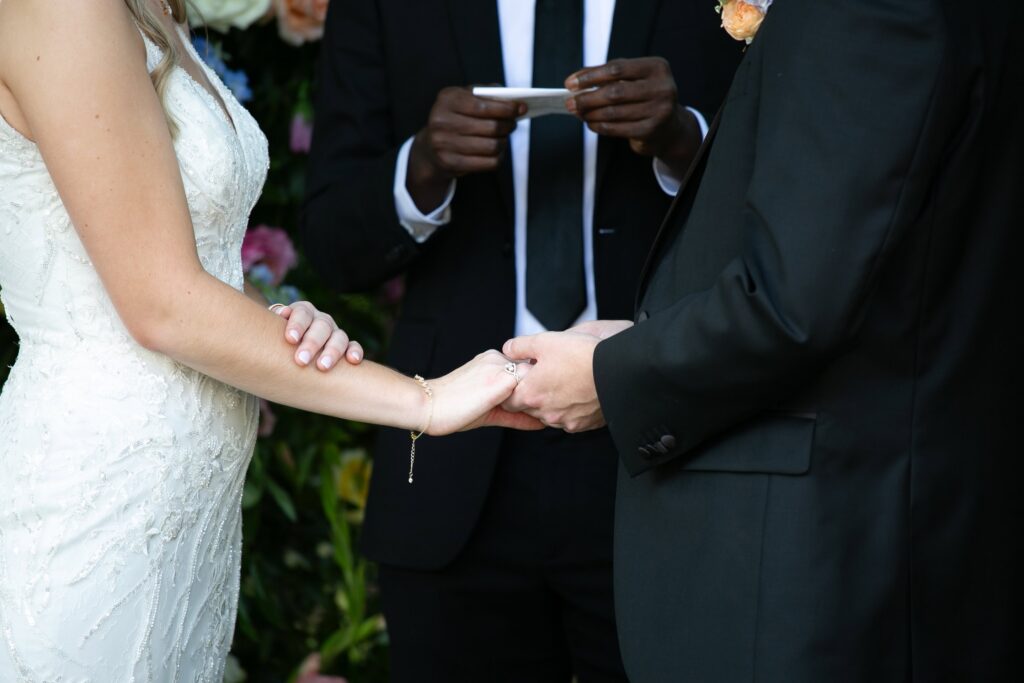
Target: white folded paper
(540, 101)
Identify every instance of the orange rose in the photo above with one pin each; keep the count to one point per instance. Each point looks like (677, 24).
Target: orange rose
(741, 19)
(301, 21)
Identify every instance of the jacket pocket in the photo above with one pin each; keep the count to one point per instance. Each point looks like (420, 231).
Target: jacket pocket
(772, 443)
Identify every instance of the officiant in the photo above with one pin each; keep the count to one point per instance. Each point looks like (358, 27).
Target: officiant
(495, 563)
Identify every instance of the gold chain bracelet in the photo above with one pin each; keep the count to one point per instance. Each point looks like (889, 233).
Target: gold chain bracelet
(430, 397)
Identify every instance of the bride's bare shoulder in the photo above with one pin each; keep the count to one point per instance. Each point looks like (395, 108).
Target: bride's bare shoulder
(31, 30)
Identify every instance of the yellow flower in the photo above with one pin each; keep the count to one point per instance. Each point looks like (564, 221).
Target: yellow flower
(741, 19)
(353, 477)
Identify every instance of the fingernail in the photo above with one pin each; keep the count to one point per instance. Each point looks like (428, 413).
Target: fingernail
(356, 355)
(326, 362)
(572, 83)
(304, 357)
(293, 335)
(570, 104)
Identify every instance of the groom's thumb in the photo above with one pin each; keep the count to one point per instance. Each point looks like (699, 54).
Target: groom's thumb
(521, 348)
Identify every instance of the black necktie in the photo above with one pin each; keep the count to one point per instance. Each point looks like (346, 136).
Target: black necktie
(556, 291)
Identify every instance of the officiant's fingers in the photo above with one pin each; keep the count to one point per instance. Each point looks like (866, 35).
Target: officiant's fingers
(466, 103)
(619, 93)
(621, 113)
(461, 164)
(467, 125)
(618, 70)
(469, 145)
(624, 129)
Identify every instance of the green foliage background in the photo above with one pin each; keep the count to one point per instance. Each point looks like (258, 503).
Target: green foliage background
(304, 587)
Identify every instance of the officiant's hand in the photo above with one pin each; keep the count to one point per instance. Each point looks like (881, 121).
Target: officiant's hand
(471, 397)
(560, 389)
(637, 99)
(317, 337)
(464, 134)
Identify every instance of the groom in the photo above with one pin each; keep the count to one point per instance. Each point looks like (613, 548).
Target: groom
(818, 407)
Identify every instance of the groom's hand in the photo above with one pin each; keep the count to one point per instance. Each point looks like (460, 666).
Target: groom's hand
(559, 390)
(602, 329)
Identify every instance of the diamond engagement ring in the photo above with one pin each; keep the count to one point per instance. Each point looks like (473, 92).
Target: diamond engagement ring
(513, 369)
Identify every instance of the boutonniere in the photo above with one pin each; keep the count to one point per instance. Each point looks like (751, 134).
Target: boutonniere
(742, 18)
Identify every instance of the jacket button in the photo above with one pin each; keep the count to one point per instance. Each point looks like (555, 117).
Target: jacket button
(668, 441)
(642, 316)
(643, 451)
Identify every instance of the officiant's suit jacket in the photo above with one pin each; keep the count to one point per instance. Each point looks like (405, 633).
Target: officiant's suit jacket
(384, 64)
(819, 409)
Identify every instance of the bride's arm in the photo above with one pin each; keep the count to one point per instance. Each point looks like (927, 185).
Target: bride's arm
(77, 71)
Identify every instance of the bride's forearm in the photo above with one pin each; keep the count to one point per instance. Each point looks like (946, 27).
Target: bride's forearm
(223, 333)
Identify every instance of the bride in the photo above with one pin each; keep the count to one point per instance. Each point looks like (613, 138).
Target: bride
(127, 172)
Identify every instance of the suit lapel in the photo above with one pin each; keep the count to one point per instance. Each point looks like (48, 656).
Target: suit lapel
(477, 33)
(632, 26)
(683, 201)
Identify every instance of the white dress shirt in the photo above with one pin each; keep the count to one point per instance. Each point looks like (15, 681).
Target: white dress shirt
(517, 20)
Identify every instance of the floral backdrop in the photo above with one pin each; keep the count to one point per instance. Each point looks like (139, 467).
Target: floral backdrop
(308, 611)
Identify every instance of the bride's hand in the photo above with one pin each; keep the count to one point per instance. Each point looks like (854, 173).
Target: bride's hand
(471, 397)
(315, 332)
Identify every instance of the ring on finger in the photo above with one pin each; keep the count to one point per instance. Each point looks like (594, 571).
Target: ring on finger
(513, 369)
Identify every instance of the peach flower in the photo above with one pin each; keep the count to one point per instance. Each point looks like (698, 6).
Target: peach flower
(301, 21)
(741, 19)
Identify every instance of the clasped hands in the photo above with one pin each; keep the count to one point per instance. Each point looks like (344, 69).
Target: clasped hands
(541, 380)
(559, 390)
(553, 384)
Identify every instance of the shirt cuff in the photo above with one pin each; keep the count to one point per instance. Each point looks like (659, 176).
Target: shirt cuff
(419, 225)
(667, 180)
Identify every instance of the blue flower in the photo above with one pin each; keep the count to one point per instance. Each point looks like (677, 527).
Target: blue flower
(238, 83)
(209, 54)
(236, 80)
(260, 274)
(288, 294)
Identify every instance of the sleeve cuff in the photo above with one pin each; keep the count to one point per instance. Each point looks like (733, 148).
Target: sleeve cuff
(419, 225)
(667, 180)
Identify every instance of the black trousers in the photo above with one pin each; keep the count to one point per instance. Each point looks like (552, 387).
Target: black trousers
(530, 597)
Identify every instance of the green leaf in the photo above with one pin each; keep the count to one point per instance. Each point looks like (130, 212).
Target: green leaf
(284, 501)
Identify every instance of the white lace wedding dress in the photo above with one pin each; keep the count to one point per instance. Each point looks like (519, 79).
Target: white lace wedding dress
(121, 471)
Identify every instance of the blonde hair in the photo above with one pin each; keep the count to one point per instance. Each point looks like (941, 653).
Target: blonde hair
(156, 30)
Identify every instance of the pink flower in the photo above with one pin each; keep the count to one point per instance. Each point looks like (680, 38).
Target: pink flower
(394, 290)
(301, 21)
(301, 135)
(270, 247)
(309, 672)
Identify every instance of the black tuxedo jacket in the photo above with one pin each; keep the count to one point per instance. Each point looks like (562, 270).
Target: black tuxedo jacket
(383, 63)
(818, 410)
